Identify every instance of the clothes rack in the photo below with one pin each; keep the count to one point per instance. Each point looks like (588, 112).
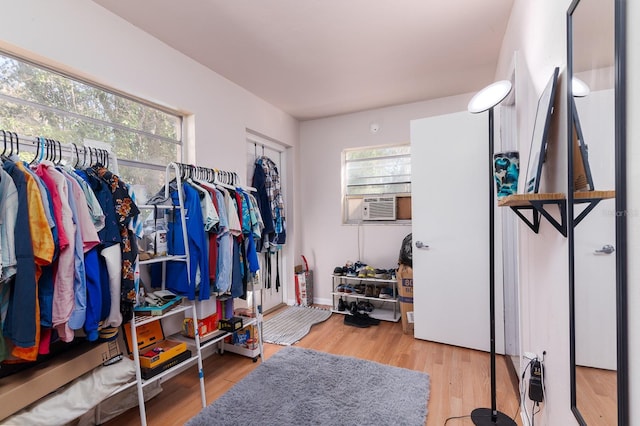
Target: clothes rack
(81, 154)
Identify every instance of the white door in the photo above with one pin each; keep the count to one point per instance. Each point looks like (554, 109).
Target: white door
(595, 268)
(450, 163)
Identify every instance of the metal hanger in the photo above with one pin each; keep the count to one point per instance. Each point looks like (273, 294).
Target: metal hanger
(4, 137)
(17, 143)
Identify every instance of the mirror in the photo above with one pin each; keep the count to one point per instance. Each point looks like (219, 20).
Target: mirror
(539, 141)
(598, 391)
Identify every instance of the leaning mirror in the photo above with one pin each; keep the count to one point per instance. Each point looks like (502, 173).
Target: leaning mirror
(593, 66)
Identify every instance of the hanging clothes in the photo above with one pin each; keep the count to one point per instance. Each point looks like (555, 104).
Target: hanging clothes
(125, 210)
(176, 272)
(20, 321)
(267, 183)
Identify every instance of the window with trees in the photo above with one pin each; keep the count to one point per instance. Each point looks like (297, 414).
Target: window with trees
(37, 101)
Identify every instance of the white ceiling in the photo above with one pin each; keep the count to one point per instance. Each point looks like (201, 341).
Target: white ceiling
(317, 58)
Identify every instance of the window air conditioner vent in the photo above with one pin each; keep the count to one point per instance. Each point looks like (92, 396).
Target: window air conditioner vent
(379, 208)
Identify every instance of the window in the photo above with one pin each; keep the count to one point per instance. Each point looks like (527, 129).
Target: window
(374, 171)
(35, 101)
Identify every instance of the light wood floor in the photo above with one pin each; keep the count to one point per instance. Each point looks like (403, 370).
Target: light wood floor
(460, 378)
(596, 395)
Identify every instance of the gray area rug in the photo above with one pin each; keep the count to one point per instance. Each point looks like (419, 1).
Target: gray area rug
(298, 386)
(291, 325)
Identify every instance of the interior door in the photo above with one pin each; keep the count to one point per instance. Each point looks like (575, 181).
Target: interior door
(594, 252)
(450, 217)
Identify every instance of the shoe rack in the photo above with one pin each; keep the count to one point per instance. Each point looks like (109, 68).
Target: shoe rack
(366, 292)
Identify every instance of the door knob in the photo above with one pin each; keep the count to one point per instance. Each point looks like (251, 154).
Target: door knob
(421, 245)
(606, 249)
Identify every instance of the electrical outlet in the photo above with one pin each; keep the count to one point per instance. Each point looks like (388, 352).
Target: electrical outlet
(536, 385)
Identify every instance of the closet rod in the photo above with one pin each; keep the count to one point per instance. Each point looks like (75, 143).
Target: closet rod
(32, 142)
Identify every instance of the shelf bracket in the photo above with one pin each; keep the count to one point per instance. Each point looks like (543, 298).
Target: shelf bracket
(593, 202)
(535, 225)
(539, 208)
(539, 205)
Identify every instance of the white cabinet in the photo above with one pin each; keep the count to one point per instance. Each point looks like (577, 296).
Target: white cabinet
(366, 292)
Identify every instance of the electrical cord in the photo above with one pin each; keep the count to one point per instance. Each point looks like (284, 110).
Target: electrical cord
(455, 418)
(523, 390)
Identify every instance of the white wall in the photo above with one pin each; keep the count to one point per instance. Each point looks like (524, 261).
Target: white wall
(85, 40)
(537, 30)
(326, 242)
(633, 205)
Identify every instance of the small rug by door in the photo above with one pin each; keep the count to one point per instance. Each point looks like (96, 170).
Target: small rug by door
(298, 386)
(292, 324)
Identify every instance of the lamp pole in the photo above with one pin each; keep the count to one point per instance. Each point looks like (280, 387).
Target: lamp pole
(485, 100)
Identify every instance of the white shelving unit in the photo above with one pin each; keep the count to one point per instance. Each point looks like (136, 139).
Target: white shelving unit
(384, 309)
(140, 320)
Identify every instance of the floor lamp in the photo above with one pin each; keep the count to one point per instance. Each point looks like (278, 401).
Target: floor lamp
(484, 100)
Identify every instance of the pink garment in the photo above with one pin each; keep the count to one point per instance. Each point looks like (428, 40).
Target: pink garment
(50, 183)
(88, 231)
(63, 290)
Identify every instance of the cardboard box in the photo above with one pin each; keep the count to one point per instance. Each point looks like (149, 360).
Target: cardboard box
(153, 348)
(403, 208)
(148, 373)
(21, 389)
(205, 326)
(405, 297)
(232, 324)
(304, 288)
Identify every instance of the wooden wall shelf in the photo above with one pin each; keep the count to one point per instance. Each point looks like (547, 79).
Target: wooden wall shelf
(537, 204)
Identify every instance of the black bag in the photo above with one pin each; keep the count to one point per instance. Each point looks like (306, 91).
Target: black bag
(406, 253)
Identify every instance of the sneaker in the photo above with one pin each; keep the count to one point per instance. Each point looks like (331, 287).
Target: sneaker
(367, 319)
(342, 305)
(364, 305)
(368, 291)
(339, 270)
(370, 271)
(382, 274)
(356, 321)
(353, 308)
(386, 293)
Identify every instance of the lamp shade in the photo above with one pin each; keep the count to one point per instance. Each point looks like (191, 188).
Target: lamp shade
(489, 97)
(579, 88)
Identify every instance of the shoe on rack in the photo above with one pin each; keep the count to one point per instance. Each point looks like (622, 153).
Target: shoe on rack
(369, 271)
(342, 305)
(359, 288)
(355, 321)
(368, 291)
(364, 305)
(353, 308)
(386, 293)
(376, 291)
(382, 274)
(339, 270)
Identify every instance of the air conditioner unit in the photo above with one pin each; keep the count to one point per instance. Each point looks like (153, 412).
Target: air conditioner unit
(379, 208)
